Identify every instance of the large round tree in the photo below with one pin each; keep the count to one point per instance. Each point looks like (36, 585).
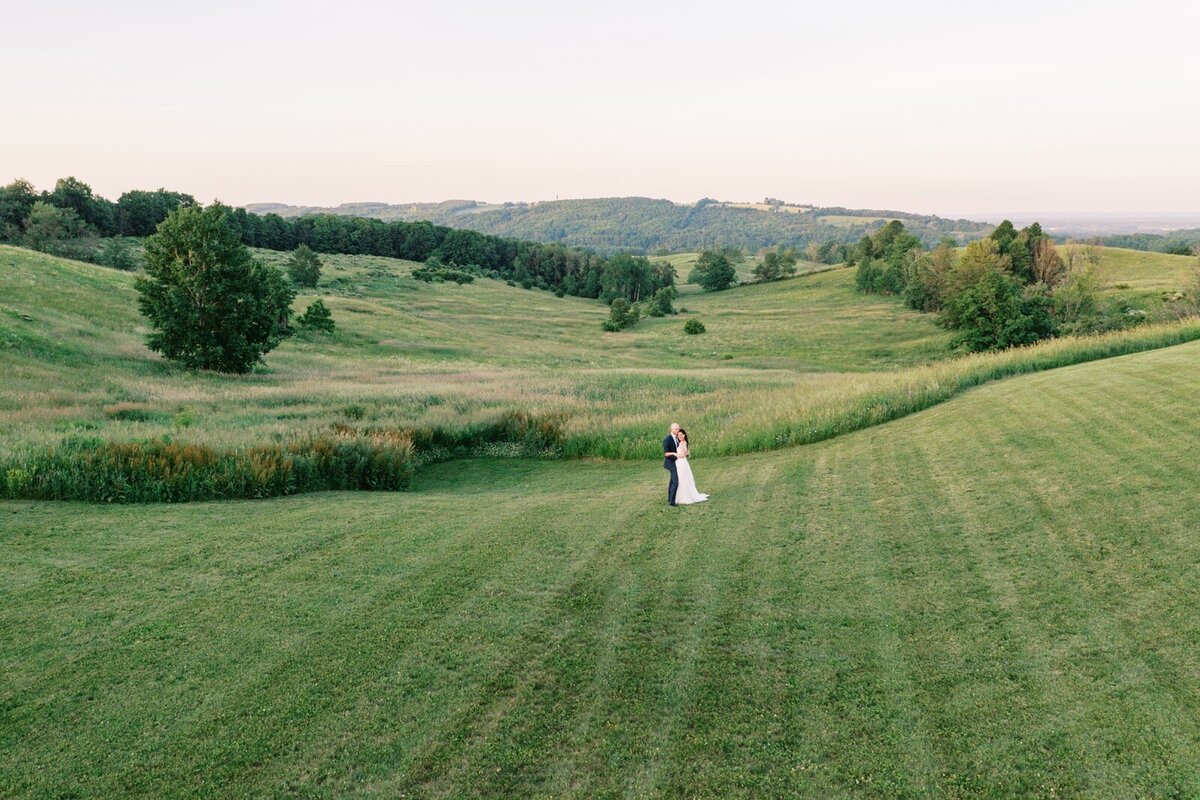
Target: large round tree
(212, 305)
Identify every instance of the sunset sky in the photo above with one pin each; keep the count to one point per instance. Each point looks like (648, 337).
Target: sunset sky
(923, 106)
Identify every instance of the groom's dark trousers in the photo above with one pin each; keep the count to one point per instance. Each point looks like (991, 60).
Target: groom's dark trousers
(669, 466)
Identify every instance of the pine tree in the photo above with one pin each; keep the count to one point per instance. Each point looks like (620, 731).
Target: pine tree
(304, 267)
(317, 318)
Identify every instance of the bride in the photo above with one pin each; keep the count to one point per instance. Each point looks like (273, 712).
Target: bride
(687, 482)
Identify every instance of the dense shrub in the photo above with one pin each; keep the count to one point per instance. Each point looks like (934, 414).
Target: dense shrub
(693, 327)
(621, 315)
(513, 433)
(317, 318)
(433, 271)
(661, 304)
(116, 252)
(995, 313)
(161, 470)
(776, 263)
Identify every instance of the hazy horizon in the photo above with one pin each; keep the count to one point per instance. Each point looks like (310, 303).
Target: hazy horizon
(931, 107)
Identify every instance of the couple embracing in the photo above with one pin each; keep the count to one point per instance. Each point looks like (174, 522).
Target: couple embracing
(682, 488)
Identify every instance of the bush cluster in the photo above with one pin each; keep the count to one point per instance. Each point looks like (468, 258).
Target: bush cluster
(162, 470)
(441, 274)
(1011, 288)
(621, 315)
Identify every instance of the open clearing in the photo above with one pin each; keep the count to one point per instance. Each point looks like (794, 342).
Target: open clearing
(995, 597)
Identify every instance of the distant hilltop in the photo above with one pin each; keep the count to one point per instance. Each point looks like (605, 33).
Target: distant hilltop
(643, 224)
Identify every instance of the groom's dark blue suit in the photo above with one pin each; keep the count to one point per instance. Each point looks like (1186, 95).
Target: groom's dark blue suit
(669, 466)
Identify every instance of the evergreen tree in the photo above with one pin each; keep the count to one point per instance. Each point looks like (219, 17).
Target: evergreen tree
(317, 318)
(304, 267)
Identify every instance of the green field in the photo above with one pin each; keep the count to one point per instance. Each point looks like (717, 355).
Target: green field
(408, 352)
(1140, 272)
(973, 601)
(992, 597)
(778, 361)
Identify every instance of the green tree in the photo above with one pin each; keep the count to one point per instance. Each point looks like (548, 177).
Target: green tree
(978, 258)
(693, 327)
(304, 267)
(713, 272)
(776, 263)
(317, 318)
(662, 274)
(76, 195)
(928, 277)
(994, 313)
(1077, 295)
(47, 224)
(211, 305)
(115, 252)
(16, 201)
(621, 315)
(139, 212)
(626, 276)
(1003, 235)
(661, 303)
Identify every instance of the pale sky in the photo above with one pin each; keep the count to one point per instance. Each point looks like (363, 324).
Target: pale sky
(941, 107)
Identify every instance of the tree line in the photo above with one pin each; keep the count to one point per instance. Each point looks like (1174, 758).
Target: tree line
(67, 220)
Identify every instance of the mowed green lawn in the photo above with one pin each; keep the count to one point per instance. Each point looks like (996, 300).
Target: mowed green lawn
(997, 597)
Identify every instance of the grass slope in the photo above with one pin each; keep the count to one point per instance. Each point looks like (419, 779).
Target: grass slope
(997, 597)
(778, 362)
(409, 352)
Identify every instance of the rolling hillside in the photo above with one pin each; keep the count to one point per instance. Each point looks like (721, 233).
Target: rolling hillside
(975, 601)
(781, 363)
(646, 225)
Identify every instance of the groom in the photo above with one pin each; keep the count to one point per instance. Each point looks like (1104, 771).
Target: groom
(670, 446)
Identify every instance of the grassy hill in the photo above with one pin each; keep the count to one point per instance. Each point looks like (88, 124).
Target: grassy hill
(781, 363)
(647, 225)
(993, 597)
(434, 354)
(973, 601)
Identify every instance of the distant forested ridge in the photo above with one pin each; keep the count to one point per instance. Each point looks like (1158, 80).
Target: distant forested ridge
(1180, 243)
(640, 224)
(74, 222)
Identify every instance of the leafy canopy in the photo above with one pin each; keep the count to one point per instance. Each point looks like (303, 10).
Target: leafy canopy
(211, 305)
(713, 272)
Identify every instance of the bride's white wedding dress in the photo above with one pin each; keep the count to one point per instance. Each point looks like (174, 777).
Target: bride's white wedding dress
(687, 492)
